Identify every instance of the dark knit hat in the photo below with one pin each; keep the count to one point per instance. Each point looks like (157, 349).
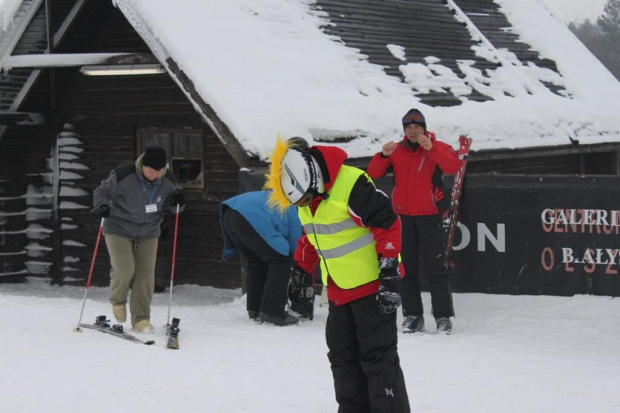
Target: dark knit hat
(414, 116)
(155, 157)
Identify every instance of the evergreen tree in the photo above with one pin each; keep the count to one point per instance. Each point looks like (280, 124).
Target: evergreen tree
(590, 34)
(602, 37)
(610, 20)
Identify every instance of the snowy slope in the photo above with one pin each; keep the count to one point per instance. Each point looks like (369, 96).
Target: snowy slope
(507, 354)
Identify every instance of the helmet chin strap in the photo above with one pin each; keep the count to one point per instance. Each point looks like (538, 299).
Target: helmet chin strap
(319, 185)
(320, 182)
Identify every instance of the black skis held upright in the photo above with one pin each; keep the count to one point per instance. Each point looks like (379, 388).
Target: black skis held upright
(103, 324)
(455, 197)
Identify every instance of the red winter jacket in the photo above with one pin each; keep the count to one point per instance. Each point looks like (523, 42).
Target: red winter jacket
(413, 168)
(368, 208)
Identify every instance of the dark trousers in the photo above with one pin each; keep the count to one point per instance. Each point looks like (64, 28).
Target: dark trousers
(423, 249)
(364, 358)
(268, 271)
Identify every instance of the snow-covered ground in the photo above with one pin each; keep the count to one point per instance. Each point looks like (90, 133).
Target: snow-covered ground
(507, 354)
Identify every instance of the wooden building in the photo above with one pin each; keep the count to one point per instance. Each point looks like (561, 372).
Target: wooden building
(63, 129)
(76, 128)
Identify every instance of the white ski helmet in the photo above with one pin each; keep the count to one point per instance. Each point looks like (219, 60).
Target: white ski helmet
(300, 177)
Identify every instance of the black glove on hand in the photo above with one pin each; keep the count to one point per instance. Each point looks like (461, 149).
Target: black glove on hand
(178, 199)
(301, 292)
(388, 297)
(102, 210)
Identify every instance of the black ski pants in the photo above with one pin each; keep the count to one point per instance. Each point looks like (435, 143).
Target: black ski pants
(268, 271)
(423, 249)
(364, 358)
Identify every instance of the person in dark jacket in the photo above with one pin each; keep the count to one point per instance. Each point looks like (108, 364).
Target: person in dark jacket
(132, 201)
(414, 161)
(351, 230)
(266, 240)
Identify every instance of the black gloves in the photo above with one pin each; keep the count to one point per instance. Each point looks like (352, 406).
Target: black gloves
(388, 297)
(102, 210)
(178, 199)
(301, 292)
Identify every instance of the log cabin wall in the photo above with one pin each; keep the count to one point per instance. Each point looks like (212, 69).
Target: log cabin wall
(93, 128)
(25, 207)
(13, 255)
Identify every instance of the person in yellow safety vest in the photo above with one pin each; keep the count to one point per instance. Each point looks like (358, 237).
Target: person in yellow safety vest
(350, 228)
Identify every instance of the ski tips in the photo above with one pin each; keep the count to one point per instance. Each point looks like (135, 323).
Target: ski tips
(172, 331)
(173, 343)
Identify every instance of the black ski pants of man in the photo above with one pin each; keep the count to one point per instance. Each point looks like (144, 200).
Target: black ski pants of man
(364, 359)
(423, 249)
(268, 271)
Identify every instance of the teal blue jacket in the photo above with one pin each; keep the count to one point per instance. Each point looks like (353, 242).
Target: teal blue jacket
(280, 230)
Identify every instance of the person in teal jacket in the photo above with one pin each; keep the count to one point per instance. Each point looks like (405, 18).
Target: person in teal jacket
(266, 239)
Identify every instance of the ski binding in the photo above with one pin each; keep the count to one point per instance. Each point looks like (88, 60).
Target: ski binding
(103, 324)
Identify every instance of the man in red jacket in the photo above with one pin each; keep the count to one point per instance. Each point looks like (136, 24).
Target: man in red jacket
(414, 161)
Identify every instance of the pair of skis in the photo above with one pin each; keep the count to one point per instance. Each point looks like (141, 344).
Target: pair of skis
(102, 324)
(455, 198)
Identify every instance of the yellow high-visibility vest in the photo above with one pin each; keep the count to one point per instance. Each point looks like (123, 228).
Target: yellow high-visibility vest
(347, 251)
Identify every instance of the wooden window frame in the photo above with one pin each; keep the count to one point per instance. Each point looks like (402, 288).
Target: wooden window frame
(174, 132)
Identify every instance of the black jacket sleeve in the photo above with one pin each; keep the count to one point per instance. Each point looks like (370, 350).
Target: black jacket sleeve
(372, 206)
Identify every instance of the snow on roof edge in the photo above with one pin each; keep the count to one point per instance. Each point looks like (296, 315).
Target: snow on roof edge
(507, 123)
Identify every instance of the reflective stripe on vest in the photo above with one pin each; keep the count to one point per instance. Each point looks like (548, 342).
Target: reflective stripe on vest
(347, 251)
(330, 229)
(347, 248)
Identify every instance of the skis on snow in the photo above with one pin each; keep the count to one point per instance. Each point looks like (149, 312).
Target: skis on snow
(103, 324)
(455, 197)
(173, 334)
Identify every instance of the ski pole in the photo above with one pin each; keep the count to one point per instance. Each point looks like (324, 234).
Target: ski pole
(174, 258)
(90, 273)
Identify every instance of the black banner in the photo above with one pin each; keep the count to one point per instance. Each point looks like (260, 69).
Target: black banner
(539, 235)
(552, 235)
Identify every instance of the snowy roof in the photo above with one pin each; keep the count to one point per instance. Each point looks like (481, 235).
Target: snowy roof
(274, 67)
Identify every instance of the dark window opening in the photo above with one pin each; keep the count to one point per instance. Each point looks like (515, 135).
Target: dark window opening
(188, 172)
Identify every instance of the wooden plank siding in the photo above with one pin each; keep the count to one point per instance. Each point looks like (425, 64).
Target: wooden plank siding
(12, 221)
(99, 117)
(561, 160)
